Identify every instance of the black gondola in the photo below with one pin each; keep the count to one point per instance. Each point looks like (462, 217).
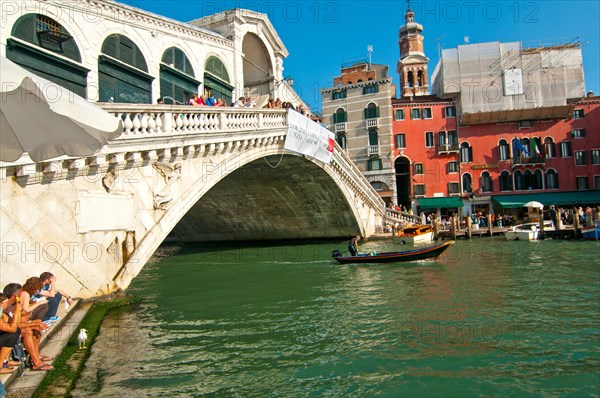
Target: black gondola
(424, 253)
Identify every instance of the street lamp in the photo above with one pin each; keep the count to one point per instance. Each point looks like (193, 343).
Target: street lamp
(288, 79)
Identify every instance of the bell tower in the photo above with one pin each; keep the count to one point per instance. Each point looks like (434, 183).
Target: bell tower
(412, 66)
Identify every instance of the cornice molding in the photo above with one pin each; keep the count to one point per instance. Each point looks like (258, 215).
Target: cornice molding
(357, 85)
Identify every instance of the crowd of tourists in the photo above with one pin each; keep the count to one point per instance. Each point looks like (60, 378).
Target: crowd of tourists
(27, 311)
(248, 102)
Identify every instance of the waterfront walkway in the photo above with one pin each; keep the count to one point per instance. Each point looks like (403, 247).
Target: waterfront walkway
(52, 343)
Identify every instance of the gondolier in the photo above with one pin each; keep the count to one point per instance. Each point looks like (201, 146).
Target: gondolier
(353, 245)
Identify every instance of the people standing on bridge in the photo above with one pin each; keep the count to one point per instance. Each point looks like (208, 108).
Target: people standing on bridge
(240, 103)
(353, 245)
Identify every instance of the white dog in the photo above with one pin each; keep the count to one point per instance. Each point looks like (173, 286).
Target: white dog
(82, 337)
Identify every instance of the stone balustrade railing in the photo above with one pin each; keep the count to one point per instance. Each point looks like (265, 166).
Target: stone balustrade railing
(157, 131)
(162, 120)
(392, 215)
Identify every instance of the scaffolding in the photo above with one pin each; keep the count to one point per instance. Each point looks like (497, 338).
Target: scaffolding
(498, 82)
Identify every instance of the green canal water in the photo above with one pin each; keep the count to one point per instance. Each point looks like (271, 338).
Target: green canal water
(489, 318)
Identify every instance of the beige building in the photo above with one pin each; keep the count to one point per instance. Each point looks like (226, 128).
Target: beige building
(358, 109)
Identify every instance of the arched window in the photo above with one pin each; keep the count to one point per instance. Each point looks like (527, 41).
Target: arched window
(518, 176)
(419, 78)
(410, 78)
(466, 152)
(486, 182)
(538, 181)
(339, 116)
(371, 111)
(467, 183)
(341, 139)
(123, 72)
(505, 181)
(527, 146)
(216, 79)
(549, 147)
(373, 137)
(551, 179)
(527, 180)
(503, 150)
(177, 76)
(60, 63)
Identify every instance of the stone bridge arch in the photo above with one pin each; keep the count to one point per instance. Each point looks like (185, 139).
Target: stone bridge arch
(93, 222)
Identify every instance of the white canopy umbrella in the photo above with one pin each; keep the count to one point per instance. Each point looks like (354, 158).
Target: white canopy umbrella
(534, 204)
(46, 120)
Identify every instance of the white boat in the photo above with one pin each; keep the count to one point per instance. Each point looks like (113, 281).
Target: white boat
(529, 231)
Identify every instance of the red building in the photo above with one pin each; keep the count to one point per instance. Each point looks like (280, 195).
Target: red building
(531, 139)
(425, 148)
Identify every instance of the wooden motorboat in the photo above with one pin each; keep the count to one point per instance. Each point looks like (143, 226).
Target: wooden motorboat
(417, 234)
(423, 253)
(591, 232)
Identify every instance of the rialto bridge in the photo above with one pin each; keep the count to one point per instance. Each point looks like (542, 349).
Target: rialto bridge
(187, 173)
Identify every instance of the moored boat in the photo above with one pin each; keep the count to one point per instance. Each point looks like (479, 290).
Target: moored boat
(417, 234)
(529, 231)
(591, 232)
(423, 253)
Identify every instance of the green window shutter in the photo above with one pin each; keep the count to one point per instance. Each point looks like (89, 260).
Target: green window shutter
(334, 118)
(24, 28)
(122, 48)
(377, 111)
(366, 112)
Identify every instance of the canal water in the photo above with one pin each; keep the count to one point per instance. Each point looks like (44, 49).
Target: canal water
(489, 318)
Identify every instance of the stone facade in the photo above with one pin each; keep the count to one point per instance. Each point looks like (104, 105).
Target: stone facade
(358, 109)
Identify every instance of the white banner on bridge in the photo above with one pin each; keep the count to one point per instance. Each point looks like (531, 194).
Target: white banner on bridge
(309, 138)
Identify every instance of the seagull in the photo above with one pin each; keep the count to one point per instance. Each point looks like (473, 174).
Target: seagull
(82, 337)
(466, 39)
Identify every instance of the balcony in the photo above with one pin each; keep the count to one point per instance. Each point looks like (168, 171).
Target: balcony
(448, 148)
(528, 161)
(373, 122)
(373, 150)
(340, 127)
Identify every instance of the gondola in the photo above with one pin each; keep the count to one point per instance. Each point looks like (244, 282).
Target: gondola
(423, 253)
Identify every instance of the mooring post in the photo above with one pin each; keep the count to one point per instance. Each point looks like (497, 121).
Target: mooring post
(468, 223)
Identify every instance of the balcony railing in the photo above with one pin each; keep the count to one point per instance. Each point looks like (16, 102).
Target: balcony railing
(373, 122)
(340, 127)
(373, 150)
(524, 160)
(448, 148)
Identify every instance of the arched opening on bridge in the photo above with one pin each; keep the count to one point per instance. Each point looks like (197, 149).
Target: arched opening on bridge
(403, 178)
(123, 72)
(216, 80)
(46, 48)
(258, 70)
(177, 82)
(272, 198)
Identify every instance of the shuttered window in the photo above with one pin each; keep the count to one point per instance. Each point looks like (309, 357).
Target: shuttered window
(216, 79)
(36, 32)
(122, 72)
(177, 80)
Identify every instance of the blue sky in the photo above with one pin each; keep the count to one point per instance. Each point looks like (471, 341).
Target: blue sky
(321, 35)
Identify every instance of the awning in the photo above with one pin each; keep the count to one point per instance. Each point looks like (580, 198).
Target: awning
(450, 202)
(547, 199)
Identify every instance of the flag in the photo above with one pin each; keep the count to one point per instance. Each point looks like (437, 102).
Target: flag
(535, 147)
